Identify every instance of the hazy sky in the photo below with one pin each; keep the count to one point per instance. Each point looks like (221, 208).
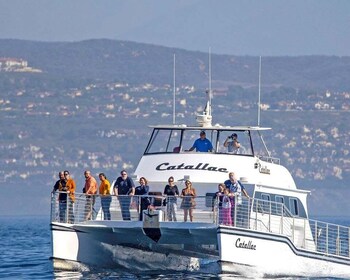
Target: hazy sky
(252, 27)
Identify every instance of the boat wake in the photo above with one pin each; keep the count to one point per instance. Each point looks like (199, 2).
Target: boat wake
(66, 265)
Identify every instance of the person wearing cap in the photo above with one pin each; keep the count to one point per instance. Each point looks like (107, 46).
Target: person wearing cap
(232, 144)
(202, 144)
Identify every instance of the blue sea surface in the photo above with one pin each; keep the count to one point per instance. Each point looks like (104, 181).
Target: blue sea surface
(25, 251)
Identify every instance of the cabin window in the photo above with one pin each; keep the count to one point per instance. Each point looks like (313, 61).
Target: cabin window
(243, 137)
(266, 202)
(164, 141)
(279, 205)
(190, 136)
(167, 140)
(293, 204)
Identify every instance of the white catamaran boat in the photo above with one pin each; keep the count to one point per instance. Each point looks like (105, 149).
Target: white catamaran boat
(270, 234)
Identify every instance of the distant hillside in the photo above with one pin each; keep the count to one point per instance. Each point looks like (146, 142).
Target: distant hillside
(112, 60)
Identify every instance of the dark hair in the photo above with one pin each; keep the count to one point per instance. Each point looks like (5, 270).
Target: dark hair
(123, 171)
(144, 179)
(102, 174)
(222, 186)
(65, 172)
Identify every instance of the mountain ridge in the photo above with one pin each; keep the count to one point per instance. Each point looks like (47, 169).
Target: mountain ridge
(109, 60)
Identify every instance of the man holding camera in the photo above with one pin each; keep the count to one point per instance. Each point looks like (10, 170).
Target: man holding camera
(232, 144)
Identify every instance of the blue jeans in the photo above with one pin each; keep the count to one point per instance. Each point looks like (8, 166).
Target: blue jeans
(124, 202)
(63, 210)
(171, 210)
(106, 203)
(70, 211)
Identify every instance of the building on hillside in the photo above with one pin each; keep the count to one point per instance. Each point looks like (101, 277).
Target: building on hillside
(6, 62)
(15, 65)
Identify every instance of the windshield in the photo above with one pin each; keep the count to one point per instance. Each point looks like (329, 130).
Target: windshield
(167, 140)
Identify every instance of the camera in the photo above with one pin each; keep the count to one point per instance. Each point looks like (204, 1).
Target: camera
(233, 136)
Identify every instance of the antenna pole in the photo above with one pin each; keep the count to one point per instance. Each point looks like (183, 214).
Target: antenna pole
(174, 90)
(259, 91)
(210, 79)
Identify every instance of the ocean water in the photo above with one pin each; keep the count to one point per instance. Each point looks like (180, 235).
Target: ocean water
(25, 251)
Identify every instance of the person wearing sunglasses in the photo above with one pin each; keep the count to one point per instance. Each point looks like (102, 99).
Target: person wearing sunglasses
(188, 203)
(171, 191)
(124, 188)
(142, 199)
(105, 195)
(62, 196)
(90, 193)
(71, 186)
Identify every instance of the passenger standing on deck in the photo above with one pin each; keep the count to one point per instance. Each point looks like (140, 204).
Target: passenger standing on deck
(70, 184)
(218, 200)
(171, 191)
(202, 144)
(105, 195)
(90, 192)
(226, 208)
(142, 192)
(188, 203)
(60, 186)
(123, 188)
(236, 188)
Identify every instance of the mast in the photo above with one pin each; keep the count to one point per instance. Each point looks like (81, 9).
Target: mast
(259, 91)
(262, 139)
(174, 89)
(209, 80)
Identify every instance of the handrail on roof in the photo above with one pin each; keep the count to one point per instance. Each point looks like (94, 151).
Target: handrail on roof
(215, 127)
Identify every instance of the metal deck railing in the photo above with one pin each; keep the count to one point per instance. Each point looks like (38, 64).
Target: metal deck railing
(91, 208)
(254, 214)
(308, 234)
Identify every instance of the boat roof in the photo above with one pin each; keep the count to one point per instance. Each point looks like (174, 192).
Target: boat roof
(214, 127)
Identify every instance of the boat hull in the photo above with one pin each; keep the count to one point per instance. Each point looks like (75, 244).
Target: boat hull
(130, 246)
(249, 252)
